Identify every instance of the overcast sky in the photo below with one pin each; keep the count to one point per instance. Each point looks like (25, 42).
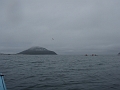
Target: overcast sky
(64, 26)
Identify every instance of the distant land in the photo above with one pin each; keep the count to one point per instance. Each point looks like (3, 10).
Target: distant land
(37, 51)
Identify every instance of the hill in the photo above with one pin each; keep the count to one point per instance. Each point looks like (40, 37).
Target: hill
(37, 51)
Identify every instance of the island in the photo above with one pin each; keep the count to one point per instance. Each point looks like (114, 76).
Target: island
(37, 51)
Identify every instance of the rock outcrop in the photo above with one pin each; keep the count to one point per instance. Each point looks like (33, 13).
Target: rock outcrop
(37, 51)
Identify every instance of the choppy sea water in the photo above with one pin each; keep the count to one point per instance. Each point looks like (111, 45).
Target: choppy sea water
(60, 72)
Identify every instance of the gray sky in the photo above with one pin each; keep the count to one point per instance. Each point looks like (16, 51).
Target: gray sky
(77, 26)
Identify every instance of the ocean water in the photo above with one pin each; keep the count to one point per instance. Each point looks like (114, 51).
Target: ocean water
(60, 72)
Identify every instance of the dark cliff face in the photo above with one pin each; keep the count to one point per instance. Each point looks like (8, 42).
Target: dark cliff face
(37, 51)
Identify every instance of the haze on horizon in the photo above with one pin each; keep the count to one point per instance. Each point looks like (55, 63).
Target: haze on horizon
(63, 26)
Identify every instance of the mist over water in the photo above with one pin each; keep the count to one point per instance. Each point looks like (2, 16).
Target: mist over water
(60, 72)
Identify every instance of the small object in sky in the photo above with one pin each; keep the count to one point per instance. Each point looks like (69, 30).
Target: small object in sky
(119, 53)
(52, 39)
(86, 55)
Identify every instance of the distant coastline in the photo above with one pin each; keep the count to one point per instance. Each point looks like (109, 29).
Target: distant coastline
(41, 51)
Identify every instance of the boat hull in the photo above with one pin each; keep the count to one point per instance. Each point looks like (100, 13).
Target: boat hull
(2, 83)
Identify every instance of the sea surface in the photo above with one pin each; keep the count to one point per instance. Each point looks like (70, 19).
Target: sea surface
(61, 72)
